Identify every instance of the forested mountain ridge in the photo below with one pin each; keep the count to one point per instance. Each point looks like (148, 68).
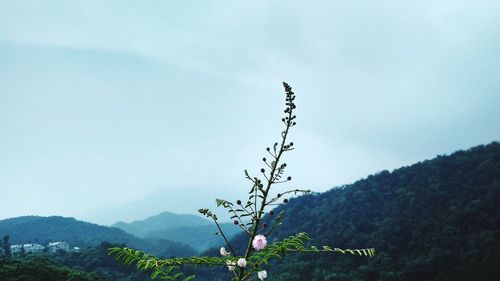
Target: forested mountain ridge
(41, 230)
(435, 220)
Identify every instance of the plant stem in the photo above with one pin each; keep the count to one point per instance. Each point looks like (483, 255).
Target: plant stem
(225, 238)
(259, 214)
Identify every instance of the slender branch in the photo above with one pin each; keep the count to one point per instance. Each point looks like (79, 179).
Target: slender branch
(225, 238)
(284, 134)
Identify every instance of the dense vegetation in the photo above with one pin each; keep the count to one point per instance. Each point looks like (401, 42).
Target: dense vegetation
(41, 230)
(96, 260)
(174, 227)
(41, 269)
(435, 220)
(92, 263)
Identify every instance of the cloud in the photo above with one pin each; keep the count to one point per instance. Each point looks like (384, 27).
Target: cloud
(111, 101)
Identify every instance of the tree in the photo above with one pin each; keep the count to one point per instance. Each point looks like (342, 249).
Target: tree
(6, 247)
(22, 252)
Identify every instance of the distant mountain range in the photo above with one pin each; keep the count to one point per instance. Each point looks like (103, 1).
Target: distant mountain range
(165, 234)
(192, 230)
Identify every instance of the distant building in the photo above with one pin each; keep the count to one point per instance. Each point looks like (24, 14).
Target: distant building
(33, 248)
(14, 249)
(54, 247)
(28, 248)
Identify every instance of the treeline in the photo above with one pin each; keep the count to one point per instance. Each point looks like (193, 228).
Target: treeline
(92, 263)
(39, 268)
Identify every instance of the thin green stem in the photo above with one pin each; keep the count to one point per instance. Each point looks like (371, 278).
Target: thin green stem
(270, 181)
(225, 238)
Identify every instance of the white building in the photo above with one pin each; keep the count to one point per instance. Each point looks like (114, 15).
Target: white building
(53, 247)
(28, 248)
(33, 248)
(14, 249)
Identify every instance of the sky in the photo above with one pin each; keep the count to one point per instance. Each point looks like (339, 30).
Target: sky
(107, 103)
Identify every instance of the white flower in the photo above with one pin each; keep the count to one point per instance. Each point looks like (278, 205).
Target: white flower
(231, 265)
(242, 263)
(262, 275)
(223, 252)
(259, 242)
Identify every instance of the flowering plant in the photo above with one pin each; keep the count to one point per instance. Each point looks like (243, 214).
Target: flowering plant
(247, 215)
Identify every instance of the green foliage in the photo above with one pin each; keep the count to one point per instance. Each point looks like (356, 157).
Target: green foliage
(95, 259)
(296, 244)
(169, 268)
(41, 269)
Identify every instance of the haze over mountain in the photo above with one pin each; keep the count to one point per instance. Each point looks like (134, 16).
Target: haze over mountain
(179, 201)
(196, 231)
(160, 222)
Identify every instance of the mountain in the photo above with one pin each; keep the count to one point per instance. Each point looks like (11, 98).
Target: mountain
(192, 230)
(435, 220)
(41, 230)
(159, 201)
(160, 222)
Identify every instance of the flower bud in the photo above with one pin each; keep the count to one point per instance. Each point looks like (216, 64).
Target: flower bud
(262, 275)
(223, 252)
(242, 263)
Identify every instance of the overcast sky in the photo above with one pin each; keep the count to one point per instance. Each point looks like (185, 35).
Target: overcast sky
(106, 102)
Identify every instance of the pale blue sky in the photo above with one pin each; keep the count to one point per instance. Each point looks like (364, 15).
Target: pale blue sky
(106, 102)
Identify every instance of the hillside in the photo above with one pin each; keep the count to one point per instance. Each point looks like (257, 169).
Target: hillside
(160, 222)
(192, 230)
(41, 269)
(434, 220)
(41, 230)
